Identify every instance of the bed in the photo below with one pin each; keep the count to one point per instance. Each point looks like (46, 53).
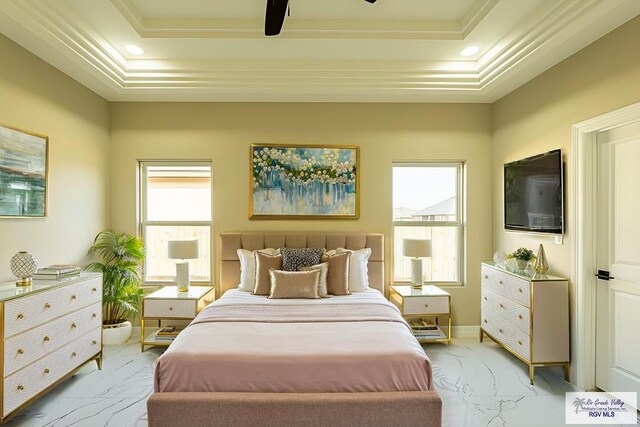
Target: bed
(248, 360)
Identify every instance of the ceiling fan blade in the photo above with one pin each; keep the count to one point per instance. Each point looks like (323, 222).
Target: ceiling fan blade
(371, 1)
(274, 18)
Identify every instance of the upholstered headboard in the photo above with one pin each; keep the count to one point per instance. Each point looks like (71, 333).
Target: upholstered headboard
(229, 267)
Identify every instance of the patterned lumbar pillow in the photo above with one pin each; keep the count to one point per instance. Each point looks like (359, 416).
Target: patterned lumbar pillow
(294, 284)
(323, 269)
(295, 259)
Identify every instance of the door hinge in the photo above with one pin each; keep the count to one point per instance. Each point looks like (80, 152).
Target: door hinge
(604, 275)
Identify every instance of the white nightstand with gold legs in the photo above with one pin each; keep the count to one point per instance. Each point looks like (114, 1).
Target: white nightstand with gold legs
(429, 303)
(168, 304)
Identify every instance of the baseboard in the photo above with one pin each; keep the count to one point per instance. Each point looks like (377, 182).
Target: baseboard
(472, 331)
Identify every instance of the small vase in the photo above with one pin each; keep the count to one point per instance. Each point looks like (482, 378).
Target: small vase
(23, 265)
(521, 264)
(542, 265)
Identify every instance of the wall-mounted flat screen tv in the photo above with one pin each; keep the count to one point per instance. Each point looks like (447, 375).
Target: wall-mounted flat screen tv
(534, 194)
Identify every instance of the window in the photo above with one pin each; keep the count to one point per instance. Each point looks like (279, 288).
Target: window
(427, 204)
(175, 204)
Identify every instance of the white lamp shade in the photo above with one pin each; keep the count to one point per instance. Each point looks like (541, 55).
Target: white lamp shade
(183, 249)
(416, 248)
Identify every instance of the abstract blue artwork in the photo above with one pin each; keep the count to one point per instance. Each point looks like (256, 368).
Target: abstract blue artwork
(304, 181)
(23, 174)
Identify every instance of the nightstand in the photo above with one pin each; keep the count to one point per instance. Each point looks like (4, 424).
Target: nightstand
(168, 304)
(429, 304)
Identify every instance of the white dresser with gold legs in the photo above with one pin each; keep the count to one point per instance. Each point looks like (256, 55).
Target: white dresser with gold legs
(528, 315)
(48, 331)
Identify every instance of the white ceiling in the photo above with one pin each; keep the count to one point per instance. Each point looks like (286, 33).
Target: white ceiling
(329, 50)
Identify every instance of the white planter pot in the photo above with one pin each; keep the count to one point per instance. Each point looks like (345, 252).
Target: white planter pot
(117, 334)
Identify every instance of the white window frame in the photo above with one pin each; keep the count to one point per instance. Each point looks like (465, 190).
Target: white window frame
(459, 223)
(142, 209)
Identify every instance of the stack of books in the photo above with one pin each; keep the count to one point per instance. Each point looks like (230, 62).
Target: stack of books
(57, 272)
(424, 329)
(167, 334)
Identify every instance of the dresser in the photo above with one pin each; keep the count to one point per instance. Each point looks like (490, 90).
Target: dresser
(528, 315)
(48, 330)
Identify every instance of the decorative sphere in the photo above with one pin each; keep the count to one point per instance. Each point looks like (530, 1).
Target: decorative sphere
(23, 265)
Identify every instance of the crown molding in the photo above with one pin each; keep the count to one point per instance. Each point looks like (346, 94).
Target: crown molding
(305, 28)
(70, 40)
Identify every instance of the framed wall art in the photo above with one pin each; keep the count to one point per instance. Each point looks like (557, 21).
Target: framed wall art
(304, 182)
(23, 174)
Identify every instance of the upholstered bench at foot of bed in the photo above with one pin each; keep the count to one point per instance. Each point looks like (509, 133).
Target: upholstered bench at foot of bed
(384, 409)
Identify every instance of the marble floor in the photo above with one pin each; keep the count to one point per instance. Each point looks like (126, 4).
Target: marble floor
(480, 385)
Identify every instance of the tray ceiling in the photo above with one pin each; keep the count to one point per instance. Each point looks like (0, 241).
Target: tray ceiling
(329, 50)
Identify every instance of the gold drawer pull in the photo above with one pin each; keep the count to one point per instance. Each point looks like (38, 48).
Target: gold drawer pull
(520, 316)
(501, 331)
(93, 316)
(20, 316)
(47, 305)
(73, 325)
(520, 290)
(46, 370)
(170, 308)
(94, 289)
(20, 351)
(485, 298)
(73, 354)
(426, 305)
(501, 306)
(74, 296)
(46, 338)
(520, 342)
(485, 321)
(486, 277)
(94, 342)
(501, 282)
(20, 387)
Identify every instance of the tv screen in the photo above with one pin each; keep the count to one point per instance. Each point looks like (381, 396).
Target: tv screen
(533, 194)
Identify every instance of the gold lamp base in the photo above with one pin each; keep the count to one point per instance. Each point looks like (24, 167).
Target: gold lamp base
(24, 281)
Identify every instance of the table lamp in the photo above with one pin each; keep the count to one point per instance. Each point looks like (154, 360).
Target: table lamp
(183, 250)
(416, 249)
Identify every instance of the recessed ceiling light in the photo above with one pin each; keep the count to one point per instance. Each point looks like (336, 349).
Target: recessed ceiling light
(470, 50)
(134, 49)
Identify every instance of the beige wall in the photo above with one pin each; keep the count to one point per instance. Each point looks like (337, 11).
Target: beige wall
(35, 96)
(387, 132)
(538, 117)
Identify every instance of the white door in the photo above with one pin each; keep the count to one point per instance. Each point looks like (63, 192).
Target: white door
(618, 299)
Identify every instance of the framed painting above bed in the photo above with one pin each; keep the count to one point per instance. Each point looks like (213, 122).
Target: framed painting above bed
(304, 182)
(23, 174)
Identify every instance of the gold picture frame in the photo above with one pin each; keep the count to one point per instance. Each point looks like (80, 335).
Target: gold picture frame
(304, 181)
(24, 173)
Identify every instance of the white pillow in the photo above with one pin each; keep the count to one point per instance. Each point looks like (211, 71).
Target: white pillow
(358, 277)
(248, 268)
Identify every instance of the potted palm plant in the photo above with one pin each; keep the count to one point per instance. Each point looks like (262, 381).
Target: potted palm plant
(119, 259)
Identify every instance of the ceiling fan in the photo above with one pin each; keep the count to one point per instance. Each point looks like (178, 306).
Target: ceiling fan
(276, 12)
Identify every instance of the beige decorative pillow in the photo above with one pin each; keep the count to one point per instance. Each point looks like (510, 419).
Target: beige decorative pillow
(294, 284)
(264, 263)
(324, 269)
(338, 273)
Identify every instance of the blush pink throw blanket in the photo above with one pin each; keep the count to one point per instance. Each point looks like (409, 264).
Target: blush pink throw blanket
(340, 344)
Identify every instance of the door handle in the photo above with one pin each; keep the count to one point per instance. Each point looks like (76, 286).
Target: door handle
(604, 275)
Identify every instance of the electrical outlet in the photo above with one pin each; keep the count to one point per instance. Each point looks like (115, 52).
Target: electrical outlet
(558, 240)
